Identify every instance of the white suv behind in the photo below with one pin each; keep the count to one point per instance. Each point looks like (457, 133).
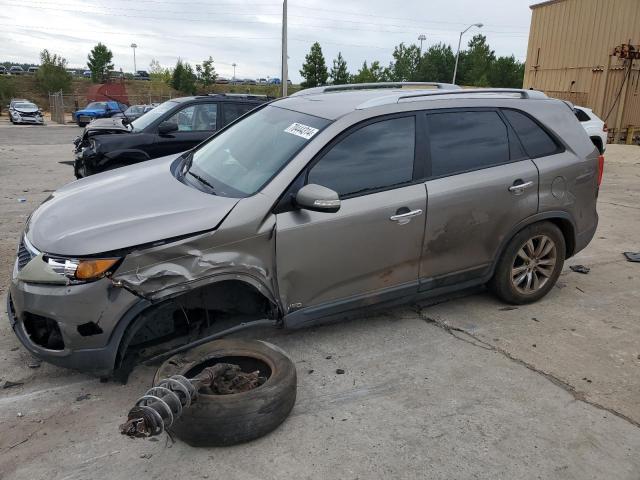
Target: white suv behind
(595, 127)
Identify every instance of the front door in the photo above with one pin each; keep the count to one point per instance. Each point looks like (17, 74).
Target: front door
(369, 250)
(195, 124)
(481, 185)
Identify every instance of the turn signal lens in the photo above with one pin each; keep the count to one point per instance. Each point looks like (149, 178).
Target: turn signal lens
(92, 269)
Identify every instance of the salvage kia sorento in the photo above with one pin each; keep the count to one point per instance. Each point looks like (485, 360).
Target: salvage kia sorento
(308, 209)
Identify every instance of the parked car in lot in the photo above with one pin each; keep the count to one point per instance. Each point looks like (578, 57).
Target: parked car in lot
(134, 111)
(3, 70)
(174, 126)
(595, 127)
(16, 70)
(86, 74)
(141, 75)
(310, 208)
(23, 111)
(274, 81)
(32, 70)
(95, 110)
(222, 80)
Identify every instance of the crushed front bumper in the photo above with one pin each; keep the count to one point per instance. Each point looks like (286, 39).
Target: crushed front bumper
(71, 308)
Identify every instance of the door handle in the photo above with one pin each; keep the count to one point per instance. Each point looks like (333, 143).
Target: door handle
(519, 188)
(403, 218)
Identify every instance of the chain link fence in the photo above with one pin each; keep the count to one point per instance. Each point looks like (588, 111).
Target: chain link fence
(62, 105)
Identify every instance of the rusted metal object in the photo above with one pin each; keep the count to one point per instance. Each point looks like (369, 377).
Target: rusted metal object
(163, 404)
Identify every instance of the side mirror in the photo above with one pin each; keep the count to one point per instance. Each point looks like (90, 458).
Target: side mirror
(167, 127)
(318, 198)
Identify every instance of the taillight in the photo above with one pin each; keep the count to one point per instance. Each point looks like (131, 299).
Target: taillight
(600, 168)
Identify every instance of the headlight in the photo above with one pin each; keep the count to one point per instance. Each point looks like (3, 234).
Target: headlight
(83, 270)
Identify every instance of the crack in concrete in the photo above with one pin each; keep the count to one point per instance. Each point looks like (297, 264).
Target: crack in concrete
(475, 341)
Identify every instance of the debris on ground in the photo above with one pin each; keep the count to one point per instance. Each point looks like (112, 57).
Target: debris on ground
(34, 363)
(506, 309)
(632, 256)
(328, 357)
(8, 384)
(146, 455)
(340, 371)
(580, 269)
(22, 200)
(84, 396)
(20, 415)
(310, 372)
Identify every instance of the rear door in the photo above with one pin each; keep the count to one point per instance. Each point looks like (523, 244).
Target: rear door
(369, 250)
(480, 185)
(196, 122)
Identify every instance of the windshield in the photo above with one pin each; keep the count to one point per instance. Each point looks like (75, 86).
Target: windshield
(96, 106)
(25, 105)
(135, 109)
(151, 116)
(241, 159)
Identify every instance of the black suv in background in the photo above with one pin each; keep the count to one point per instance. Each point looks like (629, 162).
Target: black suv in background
(172, 127)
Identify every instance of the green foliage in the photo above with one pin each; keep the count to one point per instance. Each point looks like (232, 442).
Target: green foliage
(367, 74)
(99, 62)
(183, 78)
(339, 73)
(474, 64)
(314, 70)
(207, 73)
(158, 74)
(406, 63)
(506, 72)
(437, 64)
(52, 74)
(7, 89)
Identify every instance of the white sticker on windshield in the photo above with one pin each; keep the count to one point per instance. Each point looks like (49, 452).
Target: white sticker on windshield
(301, 130)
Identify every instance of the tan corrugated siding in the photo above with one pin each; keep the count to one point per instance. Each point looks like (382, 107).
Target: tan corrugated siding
(574, 39)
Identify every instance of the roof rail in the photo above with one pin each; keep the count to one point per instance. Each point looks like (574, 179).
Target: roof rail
(238, 95)
(373, 86)
(482, 91)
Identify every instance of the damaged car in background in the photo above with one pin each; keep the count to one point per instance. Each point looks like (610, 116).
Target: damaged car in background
(172, 127)
(25, 111)
(309, 209)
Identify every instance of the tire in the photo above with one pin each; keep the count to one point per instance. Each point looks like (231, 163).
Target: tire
(512, 266)
(218, 420)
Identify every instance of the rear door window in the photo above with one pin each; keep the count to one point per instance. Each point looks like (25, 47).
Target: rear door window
(462, 141)
(535, 140)
(200, 117)
(375, 157)
(235, 110)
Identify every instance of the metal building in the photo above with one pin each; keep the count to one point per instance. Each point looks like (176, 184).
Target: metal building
(583, 51)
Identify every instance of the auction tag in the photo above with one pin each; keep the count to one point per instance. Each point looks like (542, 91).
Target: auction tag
(301, 130)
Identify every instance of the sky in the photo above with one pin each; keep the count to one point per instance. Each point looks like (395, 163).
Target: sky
(248, 32)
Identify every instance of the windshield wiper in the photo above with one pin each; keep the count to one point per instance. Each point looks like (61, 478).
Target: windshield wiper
(202, 180)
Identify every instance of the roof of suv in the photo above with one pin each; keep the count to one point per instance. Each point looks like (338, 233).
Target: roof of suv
(334, 102)
(226, 97)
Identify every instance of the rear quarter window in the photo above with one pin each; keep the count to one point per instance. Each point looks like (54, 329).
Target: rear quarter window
(535, 140)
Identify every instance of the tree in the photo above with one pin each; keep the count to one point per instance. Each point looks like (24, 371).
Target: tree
(52, 75)
(437, 64)
(506, 72)
(100, 62)
(474, 64)
(158, 74)
(367, 74)
(339, 73)
(406, 63)
(7, 89)
(207, 72)
(183, 78)
(314, 70)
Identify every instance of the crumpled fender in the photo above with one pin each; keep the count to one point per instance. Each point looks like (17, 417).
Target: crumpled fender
(164, 271)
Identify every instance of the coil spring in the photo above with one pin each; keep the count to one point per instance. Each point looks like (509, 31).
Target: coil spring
(161, 405)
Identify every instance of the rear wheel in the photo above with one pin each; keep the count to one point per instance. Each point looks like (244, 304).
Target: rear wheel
(530, 265)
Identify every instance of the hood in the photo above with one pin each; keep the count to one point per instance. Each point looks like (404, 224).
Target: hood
(129, 206)
(110, 124)
(26, 109)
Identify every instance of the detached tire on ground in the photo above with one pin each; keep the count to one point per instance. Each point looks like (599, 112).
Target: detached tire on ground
(219, 420)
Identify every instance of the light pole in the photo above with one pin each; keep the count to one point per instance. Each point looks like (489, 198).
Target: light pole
(284, 74)
(422, 38)
(234, 65)
(455, 70)
(135, 69)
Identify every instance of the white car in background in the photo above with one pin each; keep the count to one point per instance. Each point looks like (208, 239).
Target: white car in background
(595, 127)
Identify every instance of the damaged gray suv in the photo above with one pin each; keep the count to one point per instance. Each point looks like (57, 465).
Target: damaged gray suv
(309, 209)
